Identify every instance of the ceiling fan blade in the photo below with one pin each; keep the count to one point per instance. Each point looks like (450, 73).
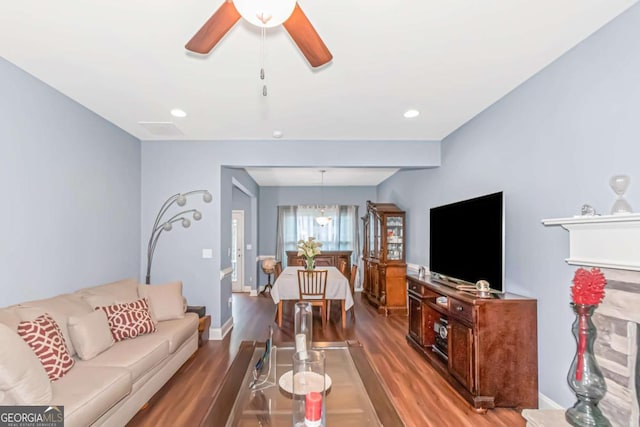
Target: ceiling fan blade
(305, 36)
(214, 29)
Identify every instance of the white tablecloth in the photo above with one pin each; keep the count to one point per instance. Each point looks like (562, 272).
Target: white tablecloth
(286, 286)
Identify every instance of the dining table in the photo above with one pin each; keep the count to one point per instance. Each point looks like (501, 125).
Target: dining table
(286, 288)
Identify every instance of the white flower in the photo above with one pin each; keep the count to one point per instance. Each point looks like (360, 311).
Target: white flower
(309, 248)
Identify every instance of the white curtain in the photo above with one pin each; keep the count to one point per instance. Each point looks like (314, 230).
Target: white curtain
(298, 222)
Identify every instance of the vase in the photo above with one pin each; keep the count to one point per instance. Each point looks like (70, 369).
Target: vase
(310, 263)
(585, 378)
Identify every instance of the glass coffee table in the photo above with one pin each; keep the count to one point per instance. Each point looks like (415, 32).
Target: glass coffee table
(356, 397)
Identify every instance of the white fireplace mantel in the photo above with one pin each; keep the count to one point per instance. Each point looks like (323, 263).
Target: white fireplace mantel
(607, 241)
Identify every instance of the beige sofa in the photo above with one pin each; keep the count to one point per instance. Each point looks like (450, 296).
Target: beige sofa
(109, 388)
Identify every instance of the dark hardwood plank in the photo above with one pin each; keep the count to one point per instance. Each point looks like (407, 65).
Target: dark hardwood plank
(421, 397)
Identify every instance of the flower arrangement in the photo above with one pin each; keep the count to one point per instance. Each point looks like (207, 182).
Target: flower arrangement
(588, 286)
(587, 290)
(309, 248)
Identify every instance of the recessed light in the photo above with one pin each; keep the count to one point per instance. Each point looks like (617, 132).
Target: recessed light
(176, 112)
(277, 134)
(410, 114)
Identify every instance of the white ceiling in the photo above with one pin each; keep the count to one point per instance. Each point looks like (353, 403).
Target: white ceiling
(332, 177)
(125, 60)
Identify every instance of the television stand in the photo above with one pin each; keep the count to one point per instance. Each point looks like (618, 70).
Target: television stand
(485, 347)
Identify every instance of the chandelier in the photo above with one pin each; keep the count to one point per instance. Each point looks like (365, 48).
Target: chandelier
(322, 220)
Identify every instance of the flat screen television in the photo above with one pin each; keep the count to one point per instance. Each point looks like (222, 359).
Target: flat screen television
(467, 242)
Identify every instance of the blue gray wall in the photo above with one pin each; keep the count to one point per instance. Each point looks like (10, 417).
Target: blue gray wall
(551, 146)
(211, 165)
(70, 185)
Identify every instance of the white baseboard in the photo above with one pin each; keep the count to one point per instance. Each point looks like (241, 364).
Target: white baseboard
(545, 402)
(253, 293)
(217, 334)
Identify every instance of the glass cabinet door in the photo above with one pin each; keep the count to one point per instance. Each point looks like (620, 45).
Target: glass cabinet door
(395, 238)
(372, 235)
(378, 236)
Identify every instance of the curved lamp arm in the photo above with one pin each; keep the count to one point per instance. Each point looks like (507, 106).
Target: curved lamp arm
(159, 225)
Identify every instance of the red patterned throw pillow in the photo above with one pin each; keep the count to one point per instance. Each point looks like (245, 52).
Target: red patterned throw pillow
(129, 319)
(46, 340)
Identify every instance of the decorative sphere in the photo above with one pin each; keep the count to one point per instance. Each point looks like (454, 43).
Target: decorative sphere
(207, 197)
(197, 215)
(167, 226)
(186, 223)
(181, 200)
(268, 265)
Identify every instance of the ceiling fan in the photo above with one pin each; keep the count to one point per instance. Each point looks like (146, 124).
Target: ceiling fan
(297, 25)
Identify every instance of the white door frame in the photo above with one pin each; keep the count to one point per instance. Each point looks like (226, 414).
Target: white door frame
(238, 284)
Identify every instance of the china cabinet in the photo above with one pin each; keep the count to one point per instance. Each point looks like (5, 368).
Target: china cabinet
(384, 284)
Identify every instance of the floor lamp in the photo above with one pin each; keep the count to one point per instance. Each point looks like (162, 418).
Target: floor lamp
(161, 225)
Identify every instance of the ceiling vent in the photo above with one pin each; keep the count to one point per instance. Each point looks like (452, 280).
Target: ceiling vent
(161, 128)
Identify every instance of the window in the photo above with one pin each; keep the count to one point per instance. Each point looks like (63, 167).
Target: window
(298, 222)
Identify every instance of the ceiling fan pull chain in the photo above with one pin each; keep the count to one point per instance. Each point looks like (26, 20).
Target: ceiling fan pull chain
(262, 55)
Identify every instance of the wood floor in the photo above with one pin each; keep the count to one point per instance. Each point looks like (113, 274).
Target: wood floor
(420, 396)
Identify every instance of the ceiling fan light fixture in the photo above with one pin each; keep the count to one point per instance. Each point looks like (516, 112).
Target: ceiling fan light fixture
(265, 13)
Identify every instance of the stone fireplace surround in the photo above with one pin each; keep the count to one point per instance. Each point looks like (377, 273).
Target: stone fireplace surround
(611, 243)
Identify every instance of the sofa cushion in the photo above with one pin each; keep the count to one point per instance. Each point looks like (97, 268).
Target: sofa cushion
(9, 317)
(23, 380)
(45, 338)
(138, 355)
(115, 292)
(90, 334)
(128, 320)
(88, 392)
(165, 301)
(60, 308)
(177, 331)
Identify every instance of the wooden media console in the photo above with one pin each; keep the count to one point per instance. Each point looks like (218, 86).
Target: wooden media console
(486, 348)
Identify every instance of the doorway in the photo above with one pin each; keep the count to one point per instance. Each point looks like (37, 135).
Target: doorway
(237, 251)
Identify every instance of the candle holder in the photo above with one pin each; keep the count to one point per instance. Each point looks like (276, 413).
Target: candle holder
(309, 383)
(303, 326)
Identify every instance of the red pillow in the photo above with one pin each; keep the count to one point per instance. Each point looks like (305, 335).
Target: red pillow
(46, 340)
(129, 319)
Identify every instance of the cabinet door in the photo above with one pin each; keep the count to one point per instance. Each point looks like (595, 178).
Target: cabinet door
(429, 318)
(461, 353)
(375, 280)
(372, 235)
(394, 229)
(415, 319)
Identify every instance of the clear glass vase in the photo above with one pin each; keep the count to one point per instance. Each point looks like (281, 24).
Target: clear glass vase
(585, 378)
(310, 263)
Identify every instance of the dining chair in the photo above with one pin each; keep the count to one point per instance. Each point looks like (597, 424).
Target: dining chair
(277, 270)
(352, 278)
(352, 282)
(342, 266)
(312, 285)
